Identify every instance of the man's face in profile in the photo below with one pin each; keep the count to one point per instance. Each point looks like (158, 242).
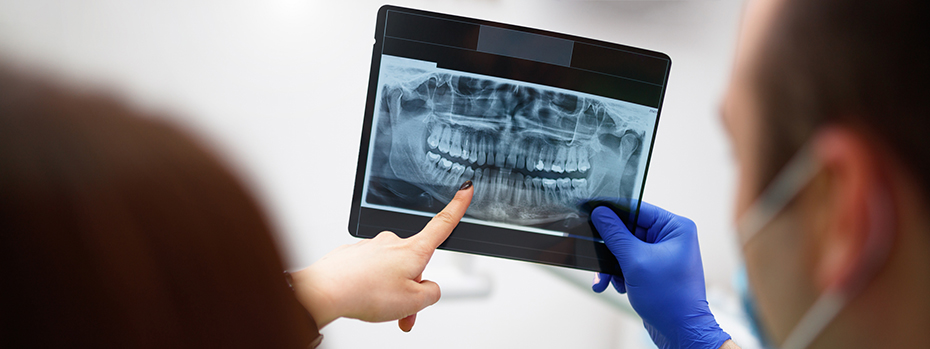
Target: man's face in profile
(775, 258)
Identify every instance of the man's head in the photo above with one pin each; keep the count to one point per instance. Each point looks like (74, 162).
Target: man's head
(849, 78)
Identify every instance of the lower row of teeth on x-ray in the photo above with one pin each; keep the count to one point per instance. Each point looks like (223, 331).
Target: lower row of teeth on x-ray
(527, 172)
(532, 153)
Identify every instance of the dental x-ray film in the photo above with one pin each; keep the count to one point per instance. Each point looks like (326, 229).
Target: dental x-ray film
(547, 126)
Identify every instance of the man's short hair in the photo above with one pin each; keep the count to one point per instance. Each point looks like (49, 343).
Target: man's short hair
(860, 63)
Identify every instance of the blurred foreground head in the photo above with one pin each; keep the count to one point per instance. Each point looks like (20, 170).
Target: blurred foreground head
(845, 84)
(117, 230)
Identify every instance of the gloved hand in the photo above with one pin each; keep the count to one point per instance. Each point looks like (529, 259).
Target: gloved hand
(662, 275)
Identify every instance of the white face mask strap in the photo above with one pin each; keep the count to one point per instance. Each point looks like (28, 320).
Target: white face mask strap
(817, 317)
(800, 170)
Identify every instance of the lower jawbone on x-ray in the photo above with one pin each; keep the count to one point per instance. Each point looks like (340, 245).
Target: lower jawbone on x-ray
(533, 152)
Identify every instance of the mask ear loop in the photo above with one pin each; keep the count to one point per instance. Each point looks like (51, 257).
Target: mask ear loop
(829, 304)
(790, 181)
(799, 171)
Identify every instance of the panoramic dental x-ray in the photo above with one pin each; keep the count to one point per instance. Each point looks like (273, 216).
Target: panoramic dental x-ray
(533, 152)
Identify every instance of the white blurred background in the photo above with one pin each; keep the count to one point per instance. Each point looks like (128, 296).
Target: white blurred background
(278, 88)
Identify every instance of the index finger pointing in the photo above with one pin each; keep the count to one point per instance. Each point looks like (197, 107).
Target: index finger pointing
(439, 228)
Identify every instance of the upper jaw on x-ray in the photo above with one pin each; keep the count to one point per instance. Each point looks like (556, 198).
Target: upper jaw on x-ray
(532, 152)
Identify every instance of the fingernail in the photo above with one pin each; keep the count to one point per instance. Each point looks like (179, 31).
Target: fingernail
(465, 185)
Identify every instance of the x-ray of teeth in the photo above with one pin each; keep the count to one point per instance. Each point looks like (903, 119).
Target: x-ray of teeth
(533, 152)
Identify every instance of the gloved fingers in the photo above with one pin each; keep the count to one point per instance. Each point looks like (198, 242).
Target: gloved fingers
(642, 234)
(616, 236)
(600, 282)
(649, 215)
(589, 204)
(653, 223)
(619, 283)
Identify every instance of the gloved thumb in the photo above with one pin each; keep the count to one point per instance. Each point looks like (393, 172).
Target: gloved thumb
(617, 237)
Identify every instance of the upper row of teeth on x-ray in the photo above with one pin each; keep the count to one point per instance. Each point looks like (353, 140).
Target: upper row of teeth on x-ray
(528, 155)
(521, 140)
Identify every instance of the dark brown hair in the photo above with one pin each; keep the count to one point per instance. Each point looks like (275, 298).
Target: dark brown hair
(118, 230)
(861, 63)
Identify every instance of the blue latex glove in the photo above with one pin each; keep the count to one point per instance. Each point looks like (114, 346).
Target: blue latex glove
(663, 276)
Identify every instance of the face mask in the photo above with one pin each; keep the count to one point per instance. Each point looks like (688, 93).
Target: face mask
(741, 282)
(785, 187)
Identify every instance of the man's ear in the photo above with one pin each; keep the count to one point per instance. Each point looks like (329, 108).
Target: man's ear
(847, 238)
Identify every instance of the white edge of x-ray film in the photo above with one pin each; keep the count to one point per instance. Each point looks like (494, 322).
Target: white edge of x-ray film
(647, 125)
(471, 220)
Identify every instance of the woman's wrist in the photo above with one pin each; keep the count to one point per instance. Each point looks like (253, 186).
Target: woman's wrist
(320, 304)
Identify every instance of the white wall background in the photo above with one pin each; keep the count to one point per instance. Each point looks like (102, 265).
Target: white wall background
(278, 87)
